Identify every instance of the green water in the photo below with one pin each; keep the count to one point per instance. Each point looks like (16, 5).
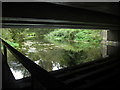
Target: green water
(50, 52)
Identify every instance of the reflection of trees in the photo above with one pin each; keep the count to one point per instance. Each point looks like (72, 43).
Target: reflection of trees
(16, 65)
(50, 57)
(67, 53)
(47, 65)
(73, 58)
(78, 45)
(24, 72)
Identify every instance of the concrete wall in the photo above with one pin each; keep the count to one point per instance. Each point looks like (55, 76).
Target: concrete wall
(113, 35)
(113, 38)
(110, 42)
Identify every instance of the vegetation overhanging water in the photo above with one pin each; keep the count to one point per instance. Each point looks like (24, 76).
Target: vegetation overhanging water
(53, 49)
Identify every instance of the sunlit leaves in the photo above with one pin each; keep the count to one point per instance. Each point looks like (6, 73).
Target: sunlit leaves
(84, 38)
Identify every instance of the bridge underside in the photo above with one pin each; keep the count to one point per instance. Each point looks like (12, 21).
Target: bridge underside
(103, 73)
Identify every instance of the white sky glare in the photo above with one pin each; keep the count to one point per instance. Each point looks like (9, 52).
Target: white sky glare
(17, 74)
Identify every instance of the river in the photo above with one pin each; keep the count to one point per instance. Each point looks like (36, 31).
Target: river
(51, 55)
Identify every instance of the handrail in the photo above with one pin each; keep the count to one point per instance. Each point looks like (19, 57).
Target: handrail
(83, 65)
(91, 66)
(41, 75)
(46, 79)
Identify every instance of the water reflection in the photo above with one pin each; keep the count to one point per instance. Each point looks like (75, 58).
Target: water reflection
(49, 54)
(18, 70)
(17, 74)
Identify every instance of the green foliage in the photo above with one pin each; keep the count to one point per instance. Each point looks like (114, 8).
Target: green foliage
(84, 38)
(88, 36)
(81, 45)
(68, 47)
(12, 44)
(13, 34)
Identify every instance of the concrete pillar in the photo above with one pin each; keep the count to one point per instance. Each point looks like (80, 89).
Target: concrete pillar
(103, 43)
(110, 42)
(113, 39)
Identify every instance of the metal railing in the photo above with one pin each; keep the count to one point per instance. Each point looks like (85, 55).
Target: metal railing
(38, 74)
(85, 71)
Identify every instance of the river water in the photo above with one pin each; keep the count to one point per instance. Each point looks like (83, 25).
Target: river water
(51, 55)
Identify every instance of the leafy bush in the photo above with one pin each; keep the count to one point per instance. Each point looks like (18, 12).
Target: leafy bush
(84, 38)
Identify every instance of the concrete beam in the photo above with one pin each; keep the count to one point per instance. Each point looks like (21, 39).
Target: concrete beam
(51, 11)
